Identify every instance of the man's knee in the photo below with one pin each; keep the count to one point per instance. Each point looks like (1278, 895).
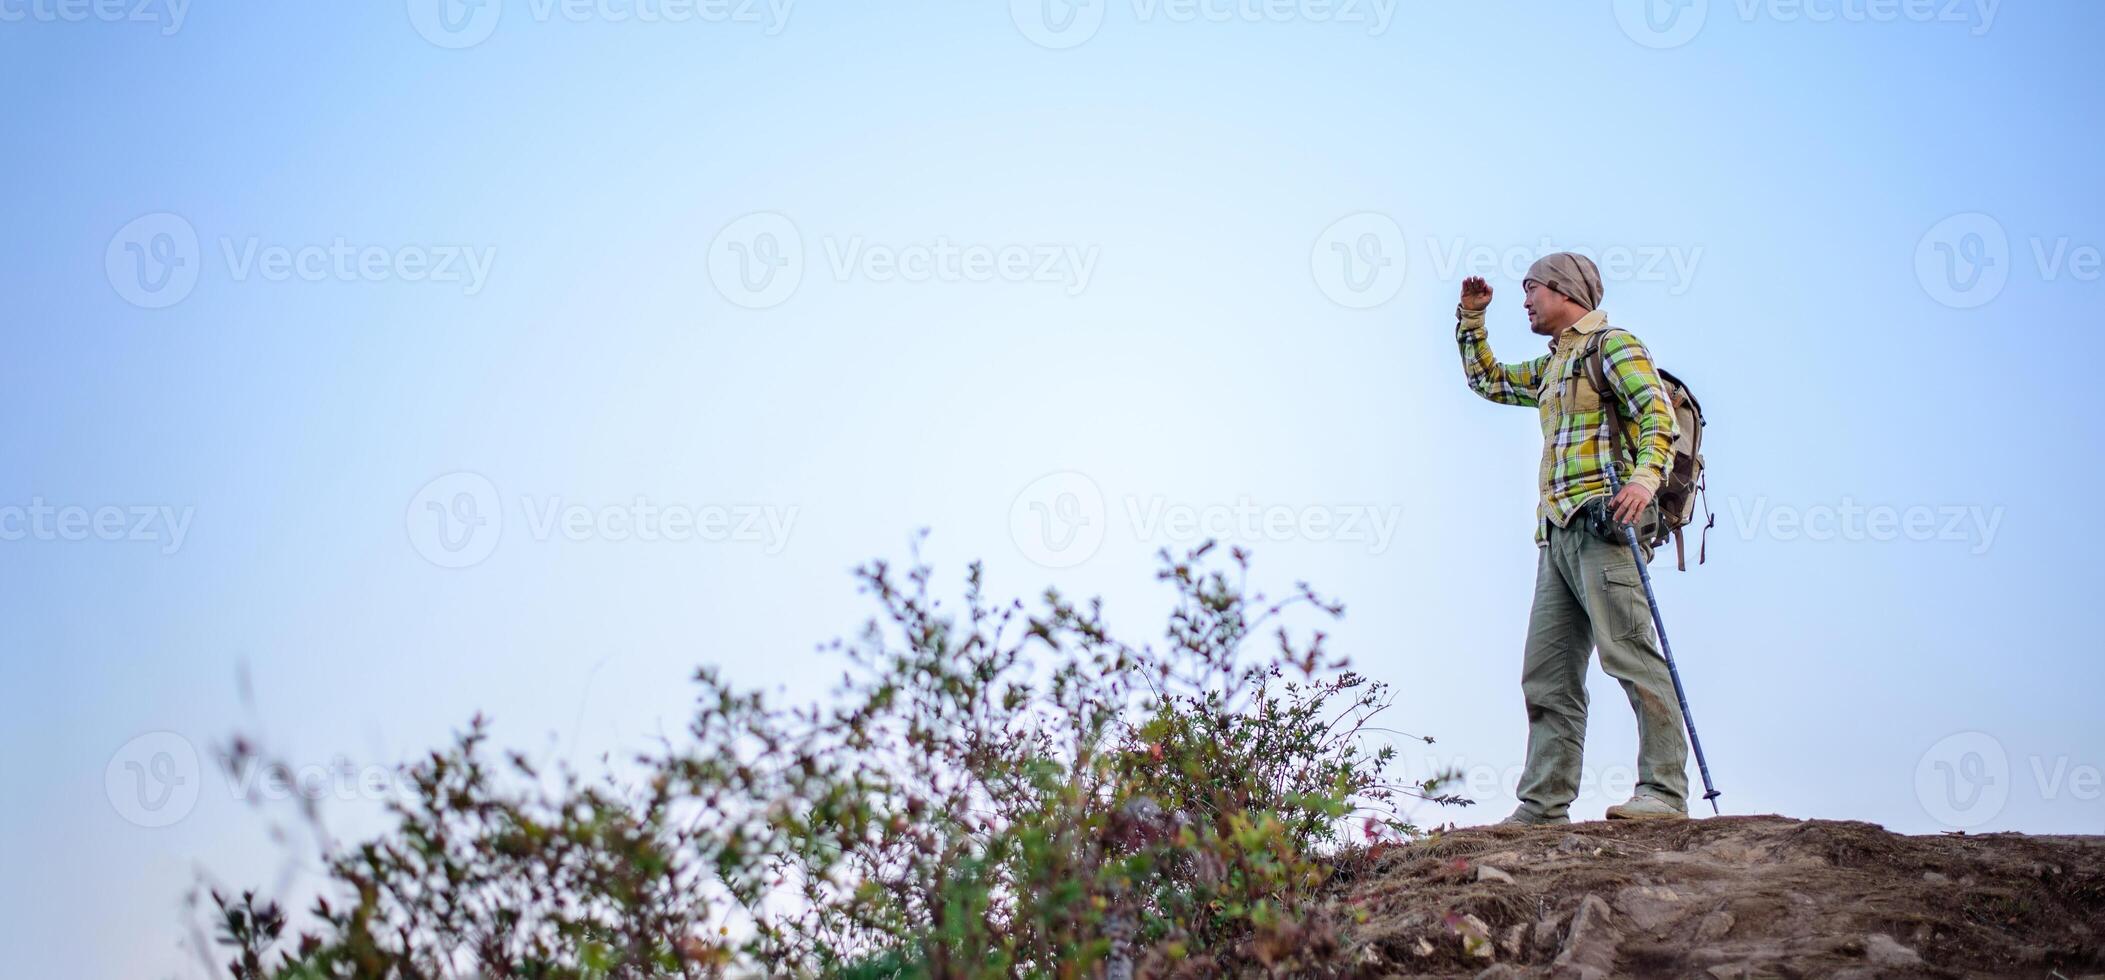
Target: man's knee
(1559, 701)
(1635, 660)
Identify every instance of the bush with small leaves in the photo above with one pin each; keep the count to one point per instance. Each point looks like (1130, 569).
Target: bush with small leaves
(990, 793)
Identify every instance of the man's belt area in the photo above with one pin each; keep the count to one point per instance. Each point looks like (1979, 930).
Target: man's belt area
(1594, 518)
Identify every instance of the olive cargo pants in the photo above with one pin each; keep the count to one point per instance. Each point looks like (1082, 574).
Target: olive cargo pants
(1587, 594)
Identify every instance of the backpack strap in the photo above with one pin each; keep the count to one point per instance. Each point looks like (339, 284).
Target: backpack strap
(1597, 375)
(1710, 520)
(1702, 488)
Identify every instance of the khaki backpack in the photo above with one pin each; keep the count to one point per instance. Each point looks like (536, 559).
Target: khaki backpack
(1684, 475)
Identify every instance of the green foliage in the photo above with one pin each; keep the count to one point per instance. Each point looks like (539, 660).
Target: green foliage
(986, 794)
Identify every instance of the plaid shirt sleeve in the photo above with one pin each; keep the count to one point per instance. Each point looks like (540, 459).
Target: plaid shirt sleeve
(1506, 384)
(1643, 399)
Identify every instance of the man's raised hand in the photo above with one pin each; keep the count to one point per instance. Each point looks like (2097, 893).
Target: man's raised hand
(1476, 293)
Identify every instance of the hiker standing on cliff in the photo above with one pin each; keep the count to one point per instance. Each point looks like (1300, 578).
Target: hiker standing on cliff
(1587, 591)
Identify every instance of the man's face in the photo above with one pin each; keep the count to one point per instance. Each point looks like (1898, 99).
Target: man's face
(1548, 310)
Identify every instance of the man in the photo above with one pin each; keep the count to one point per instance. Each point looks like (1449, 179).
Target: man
(1587, 591)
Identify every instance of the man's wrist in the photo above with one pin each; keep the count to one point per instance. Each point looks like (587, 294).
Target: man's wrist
(1646, 479)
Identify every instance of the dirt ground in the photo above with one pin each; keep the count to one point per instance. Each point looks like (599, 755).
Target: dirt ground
(1727, 898)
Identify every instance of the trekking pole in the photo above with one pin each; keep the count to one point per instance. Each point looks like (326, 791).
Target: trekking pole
(1645, 575)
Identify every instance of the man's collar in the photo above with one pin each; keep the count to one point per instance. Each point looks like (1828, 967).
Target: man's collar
(1590, 323)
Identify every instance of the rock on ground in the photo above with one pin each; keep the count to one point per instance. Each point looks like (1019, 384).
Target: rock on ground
(1729, 897)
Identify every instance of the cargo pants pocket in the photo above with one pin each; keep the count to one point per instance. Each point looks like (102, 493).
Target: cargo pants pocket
(1619, 604)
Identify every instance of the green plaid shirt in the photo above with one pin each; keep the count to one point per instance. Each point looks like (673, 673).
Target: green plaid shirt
(1575, 443)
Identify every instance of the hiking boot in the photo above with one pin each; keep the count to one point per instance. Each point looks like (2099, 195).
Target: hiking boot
(1644, 806)
(1521, 817)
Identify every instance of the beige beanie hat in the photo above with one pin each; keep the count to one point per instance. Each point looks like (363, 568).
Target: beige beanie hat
(1572, 274)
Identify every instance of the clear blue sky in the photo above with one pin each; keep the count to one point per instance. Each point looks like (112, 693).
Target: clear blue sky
(508, 272)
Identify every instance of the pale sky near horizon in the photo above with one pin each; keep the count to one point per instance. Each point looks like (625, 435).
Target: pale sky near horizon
(422, 359)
